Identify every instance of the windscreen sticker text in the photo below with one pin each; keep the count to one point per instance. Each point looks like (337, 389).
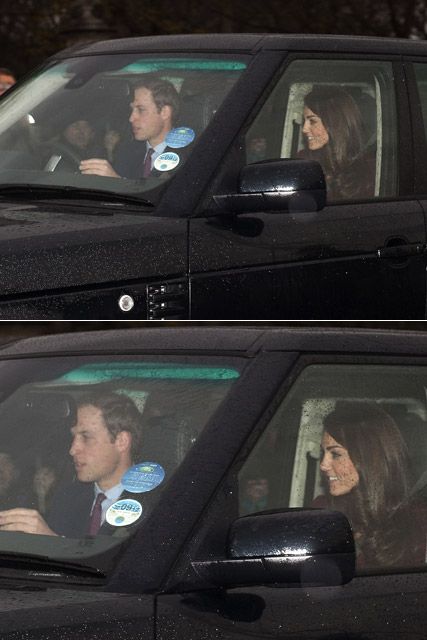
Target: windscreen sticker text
(166, 161)
(180, 137)
(143, 477)
(124, 512)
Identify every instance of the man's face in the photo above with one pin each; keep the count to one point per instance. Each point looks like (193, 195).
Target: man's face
(95, 457)
(148, 123)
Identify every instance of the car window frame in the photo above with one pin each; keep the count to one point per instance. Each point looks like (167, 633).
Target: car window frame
(179, 200)
(157, 555)
(209, 537)
(227, 173)
(419, 143)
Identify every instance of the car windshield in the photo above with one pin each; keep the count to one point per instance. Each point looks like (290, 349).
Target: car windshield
(78, 427)
(109, 110)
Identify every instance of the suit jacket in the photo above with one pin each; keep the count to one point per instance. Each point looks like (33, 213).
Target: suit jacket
(69, 513)
(130, 158)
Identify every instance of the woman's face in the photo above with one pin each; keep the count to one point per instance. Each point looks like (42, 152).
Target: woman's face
(314, 130)
(337, 467)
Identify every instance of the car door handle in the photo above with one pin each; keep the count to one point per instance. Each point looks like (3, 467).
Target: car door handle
(400, 250)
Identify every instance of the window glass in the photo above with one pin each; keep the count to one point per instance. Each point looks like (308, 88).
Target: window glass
(353, 439)
(74, 428)
(339, 113)
(111, 109)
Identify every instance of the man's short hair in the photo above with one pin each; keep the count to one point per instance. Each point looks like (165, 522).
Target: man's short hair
(119, 413)
(163, 92)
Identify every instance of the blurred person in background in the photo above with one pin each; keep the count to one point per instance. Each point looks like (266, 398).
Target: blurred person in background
(7, 79)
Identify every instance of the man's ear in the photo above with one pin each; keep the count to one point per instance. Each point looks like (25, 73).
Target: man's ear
(166, 112)
(123, 440)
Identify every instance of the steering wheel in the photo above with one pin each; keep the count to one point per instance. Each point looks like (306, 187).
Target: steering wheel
(62, 152)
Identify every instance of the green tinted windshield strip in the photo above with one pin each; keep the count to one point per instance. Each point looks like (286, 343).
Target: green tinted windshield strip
(111, 371)
(146, 66)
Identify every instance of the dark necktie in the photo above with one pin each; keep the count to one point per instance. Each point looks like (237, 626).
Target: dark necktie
(147, 163)
(95, 516)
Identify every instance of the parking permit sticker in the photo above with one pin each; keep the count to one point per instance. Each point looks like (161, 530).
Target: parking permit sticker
(180, 137)
(166, 161)
(123, 512)
(143, 477)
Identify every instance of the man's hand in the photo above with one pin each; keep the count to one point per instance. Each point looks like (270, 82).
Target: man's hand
(97, 167)
(26, 520)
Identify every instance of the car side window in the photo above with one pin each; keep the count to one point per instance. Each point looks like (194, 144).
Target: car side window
(351, 438)
(339, 113)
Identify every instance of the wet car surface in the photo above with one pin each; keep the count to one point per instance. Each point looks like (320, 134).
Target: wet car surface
(238, 217)
(233, 533)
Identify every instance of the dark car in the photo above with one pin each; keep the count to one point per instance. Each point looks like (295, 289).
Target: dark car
(278, 488)
(242, 211)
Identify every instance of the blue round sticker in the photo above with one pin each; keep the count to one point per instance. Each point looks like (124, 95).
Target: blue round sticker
(180, 137)
(142, 477)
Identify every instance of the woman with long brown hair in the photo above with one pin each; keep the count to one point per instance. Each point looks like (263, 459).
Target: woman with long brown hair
(335, 136)
(365, 465)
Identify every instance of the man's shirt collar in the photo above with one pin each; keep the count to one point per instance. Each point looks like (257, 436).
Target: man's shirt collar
(111, 494)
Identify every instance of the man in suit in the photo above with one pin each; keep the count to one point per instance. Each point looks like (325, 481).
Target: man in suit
(105, 442)
(153, 110)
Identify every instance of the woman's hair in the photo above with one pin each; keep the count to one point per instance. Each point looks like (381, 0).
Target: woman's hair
(342, 119)
(376, 506)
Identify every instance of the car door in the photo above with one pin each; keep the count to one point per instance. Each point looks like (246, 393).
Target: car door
(359, 257)
(280, 467)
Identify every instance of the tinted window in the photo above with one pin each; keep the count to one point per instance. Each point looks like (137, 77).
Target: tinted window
(339, 113)
(71, 429)
(351, 438)
(106, 108)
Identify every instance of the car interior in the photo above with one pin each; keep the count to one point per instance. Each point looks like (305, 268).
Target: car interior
(288, 453)
(35, 139)
(175, 403)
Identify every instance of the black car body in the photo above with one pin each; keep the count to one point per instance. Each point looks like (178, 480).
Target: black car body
(221, 408)
(238, 228)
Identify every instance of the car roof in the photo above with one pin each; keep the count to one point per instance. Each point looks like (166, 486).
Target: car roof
(239, 340)
(251, 43)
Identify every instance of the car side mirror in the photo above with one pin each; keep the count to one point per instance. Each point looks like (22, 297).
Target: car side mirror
(294, 547)
(276, 186)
